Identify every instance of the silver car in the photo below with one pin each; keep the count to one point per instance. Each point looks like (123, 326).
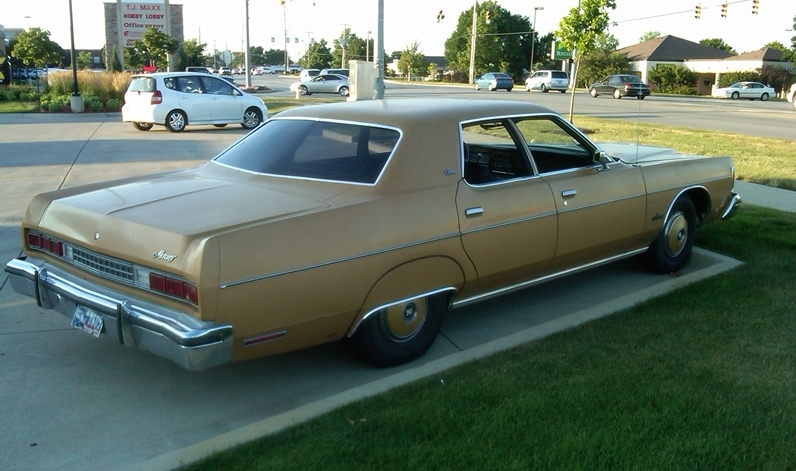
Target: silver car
(324, 83)
(546, 80)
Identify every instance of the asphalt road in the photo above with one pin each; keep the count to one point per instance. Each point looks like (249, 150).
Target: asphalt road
(72, 402)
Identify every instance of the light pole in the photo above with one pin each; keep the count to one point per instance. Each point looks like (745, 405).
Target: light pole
(533, 36)
(472, 43)
(75, 101)
(367, 48)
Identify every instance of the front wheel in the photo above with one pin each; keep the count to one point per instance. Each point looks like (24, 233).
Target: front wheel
(143, 126)
(672, 247)
(491, 88)
(735, 95)
(176, 121)
(251, 118)
(399, 333)
(477, 88)
(303, 90)
(593, 92)
(343, 91)
(764, 97)
(617, 94)
(543, 88)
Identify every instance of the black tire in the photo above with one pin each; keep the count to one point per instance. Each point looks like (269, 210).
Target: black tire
(641, 97)
(617, 94)
(543, 88)
(220, 125)
(735, 95)
(509, 89)
(672, 247)
(176, 121)
(764, 97)
(252, 118)
(564, 91)
(143, 126)
(343, 91)
(387, 338)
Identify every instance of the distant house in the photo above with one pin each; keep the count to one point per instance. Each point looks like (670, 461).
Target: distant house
(707, 62)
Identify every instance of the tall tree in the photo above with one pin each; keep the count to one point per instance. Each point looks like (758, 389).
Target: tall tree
(318, 56)
(194, 52)
(502, 41)
(602, 61)
(580, 31)
(354, 49)
(717, 43)
(34, 48)
(412, 62)
(649, 35)
(84, 60)
(155, 46)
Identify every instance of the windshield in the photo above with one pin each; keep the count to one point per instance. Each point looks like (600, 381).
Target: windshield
(318, 150)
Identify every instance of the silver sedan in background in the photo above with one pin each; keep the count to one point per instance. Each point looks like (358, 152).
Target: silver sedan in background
(324, 83)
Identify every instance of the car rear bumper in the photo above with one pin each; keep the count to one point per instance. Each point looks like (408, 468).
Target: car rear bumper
(175, 335)
(732, 208)
(142, 114)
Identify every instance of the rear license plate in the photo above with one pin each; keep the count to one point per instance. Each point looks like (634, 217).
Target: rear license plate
(87, 320)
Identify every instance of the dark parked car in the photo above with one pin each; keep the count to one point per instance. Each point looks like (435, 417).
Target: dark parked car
(494, 81)
(619, 86)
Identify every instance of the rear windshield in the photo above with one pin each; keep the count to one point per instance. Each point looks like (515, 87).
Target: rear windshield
(559, 74)
(142, 84)
(320, 150)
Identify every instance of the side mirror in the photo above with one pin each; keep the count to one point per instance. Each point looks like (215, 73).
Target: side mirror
(601, 157)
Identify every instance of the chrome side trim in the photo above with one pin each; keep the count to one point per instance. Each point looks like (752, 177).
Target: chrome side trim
(509, 223)
(536, 281)
(332, 262)
(732, 208)
(385, 306)
(586, 206)
(680, 193)
(175, 335)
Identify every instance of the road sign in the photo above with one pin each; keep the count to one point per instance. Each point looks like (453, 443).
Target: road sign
(560, 53)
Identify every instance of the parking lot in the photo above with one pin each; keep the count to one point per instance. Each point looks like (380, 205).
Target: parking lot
(72, 402)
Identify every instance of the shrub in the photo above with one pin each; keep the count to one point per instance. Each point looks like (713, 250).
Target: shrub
(10, 95)
(113, 104)
(57, 103)
(92, 102)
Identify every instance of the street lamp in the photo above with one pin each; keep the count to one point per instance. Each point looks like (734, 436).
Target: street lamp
(76, 100)
(533, 36)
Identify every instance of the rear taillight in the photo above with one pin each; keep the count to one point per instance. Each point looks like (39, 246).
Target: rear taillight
(173, 287)
(46, 244)
(157, 98)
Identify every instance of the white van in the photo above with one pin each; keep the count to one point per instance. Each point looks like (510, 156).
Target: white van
(308, 74)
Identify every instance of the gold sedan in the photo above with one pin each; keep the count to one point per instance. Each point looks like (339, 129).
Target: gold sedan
(364, 220)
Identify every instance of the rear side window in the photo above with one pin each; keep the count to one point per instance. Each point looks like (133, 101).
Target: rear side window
(142, 84)
(559, 74)
(321, 150)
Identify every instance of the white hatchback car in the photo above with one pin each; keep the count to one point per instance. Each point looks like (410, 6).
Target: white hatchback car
(546, 80)
(177, 99)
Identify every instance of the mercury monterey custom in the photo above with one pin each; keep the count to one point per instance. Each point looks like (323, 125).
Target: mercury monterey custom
(364, 220)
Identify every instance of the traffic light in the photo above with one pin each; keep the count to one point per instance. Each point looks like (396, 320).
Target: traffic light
(724, 10)
(487, 15)
(440, 16)
(755, 6)
(698, 11)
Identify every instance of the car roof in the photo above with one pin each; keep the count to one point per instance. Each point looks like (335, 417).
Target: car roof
(407, 112)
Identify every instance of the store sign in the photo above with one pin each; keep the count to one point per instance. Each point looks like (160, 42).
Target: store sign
(136, 17)
(560, 53)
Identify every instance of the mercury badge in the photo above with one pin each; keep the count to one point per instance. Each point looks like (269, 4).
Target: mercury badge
(162, 255)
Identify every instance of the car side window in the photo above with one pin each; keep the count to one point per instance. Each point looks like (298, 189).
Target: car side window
(189, 84)
(170, 83)
(553, 146)
(214, 86)
(491, 153)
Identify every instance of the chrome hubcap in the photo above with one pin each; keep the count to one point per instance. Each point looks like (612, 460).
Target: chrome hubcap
(676, 232)
(403, 321)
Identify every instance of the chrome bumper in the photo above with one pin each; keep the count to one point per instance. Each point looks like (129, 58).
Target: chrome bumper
(735, 202)
(175, 335)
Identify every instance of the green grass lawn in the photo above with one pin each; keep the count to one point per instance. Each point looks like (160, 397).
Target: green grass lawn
(17, 106)
(703, 378)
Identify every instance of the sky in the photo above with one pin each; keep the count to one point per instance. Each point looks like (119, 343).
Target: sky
(220, 24)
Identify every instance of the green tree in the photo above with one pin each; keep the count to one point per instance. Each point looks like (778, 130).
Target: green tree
(194, 53)
(775, 77)
(412, 62)
(132, 59)
(731, 77)
(602, 61)
(649, 35)
(34, 48)
(500, 44)
(672, 78)
(155, 46)
(318, 56)
(580, 31)
(274, 57)
(84, 60)
(717, 43)
(354, 49)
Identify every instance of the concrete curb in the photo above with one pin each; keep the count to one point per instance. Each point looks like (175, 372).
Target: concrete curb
(296, 416)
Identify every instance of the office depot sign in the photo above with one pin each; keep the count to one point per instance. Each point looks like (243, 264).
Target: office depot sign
(136, 17)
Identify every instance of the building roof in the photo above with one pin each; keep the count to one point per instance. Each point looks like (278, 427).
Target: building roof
(671, 49)
(768, 54)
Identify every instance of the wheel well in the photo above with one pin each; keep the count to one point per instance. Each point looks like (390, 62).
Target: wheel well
(701, 199)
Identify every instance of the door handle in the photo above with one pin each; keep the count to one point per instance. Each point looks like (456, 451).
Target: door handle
(477, 211)
(567, 193)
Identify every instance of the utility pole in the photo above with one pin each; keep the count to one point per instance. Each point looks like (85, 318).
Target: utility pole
(472, 43)
(379, 53)
(533, 36)
(247, 59)
(343, 41)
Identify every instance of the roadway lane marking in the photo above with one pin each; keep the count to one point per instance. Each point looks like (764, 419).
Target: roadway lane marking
(16, 303)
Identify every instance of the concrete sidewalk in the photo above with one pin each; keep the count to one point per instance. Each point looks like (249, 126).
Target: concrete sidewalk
(769, 197)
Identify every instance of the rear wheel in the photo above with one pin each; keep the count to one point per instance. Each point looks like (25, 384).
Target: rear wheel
(617, 94)
(640, 97)
(672, 247)
(764, 97)
(477, 87)
(401, 332)
(593, 92)
(509, 89)
(491, 88)
(543, 88)
(143, 126)
(343, 91)
(251, 118)
(564, 91)
(176, 121)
